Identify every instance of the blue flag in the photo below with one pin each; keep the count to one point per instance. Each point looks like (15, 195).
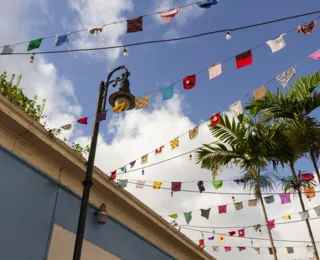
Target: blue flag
(167, 92)
(62, 39)
(207, 4)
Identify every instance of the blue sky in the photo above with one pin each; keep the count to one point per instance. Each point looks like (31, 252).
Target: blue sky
(70, 83)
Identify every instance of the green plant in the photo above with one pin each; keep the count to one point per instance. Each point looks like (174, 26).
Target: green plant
(11, 91)
(79, 149)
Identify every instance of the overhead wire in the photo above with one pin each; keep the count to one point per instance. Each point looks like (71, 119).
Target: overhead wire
(163, 40)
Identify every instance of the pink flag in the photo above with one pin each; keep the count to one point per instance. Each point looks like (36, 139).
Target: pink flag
(167, 16)
(222, 209)
(241, 232)
(285, 198)
(215, 71)
(227, 248)
(271, 224)
(315, 55)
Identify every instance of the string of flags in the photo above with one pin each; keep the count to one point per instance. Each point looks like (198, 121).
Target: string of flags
(133, 26)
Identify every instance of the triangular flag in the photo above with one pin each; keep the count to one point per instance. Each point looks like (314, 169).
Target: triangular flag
(62, 39)
(159, 150)
(167, 92)
(140, 184)
(134, 25)
(288, 217)
(167, 16)
(215, 71)
(34, 44)
(308, 28)
(124, 169)
(119, 108)
(207, 3)
(132, 164)
(257, 250)
(83, 120)
(201, 243)
(215, 119)
(271, 224)
(217, 184)
(142, 102)
(317, 210)
(123, 183)
(244, 59)
(144, 159)
(174, 143)
(232, 233)
(188, 216)
(286, 76)
(227, 248)
(67, 127)
(193, 133)
(259, 93)
(315, 55)
(189, 82)
(222, 209)
(285, 198)
(241, 248)
(304, 215)
(113, 175)
(101, 116)
(201, 186)
(221, 239)
(176, 186)
(205, 213)
(236, 108)
(290, 250)
(241, 232)
(276, 44)
(157, 185)
(174, 216)
(8, 49)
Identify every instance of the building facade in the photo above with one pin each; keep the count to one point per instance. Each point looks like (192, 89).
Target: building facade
(40, 191)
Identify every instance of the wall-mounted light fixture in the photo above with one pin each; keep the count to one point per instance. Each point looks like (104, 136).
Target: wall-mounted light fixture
(102, 214)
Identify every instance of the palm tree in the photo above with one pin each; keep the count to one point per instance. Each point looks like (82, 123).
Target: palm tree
(248, 145)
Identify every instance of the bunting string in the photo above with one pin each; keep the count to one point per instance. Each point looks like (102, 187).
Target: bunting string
(34, 44)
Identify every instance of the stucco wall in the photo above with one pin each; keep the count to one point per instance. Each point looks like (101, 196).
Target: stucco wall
(30, 201)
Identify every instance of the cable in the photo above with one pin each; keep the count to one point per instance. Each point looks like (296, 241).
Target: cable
(164, 40)
(108, 24)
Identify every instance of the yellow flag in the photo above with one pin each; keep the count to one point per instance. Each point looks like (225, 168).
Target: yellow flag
(157, 185)
(221, 239)
(174, 143)
(286, 217)
(119, 108)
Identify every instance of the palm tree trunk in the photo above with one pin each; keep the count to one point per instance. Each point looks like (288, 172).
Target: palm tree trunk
(267, 224)
(315, 250)
(313, 159)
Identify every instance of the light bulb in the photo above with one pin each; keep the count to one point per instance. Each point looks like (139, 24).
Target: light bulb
(228, 36)
(32, 59)
(125, 53)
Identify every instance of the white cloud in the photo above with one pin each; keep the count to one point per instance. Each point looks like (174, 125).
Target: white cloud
(96, 13)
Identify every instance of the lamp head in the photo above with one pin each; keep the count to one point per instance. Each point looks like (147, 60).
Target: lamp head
(123, 95)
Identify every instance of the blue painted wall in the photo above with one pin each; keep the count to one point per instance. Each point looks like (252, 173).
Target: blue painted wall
(27, 202)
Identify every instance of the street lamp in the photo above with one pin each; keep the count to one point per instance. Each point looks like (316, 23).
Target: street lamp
(123, 95)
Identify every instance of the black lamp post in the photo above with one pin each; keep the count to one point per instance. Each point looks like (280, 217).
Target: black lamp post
(123, 95)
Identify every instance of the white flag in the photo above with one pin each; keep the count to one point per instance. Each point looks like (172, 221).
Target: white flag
(277, 44)
(236, 108)
(140, 184)
(8, 49)
(67, 127)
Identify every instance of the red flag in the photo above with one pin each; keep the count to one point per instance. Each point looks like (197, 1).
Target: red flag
(307, 177)
(222, 209)
(113, 175)
(241, 232)
(176, 186)
(189, 82)
(244, 59)
(201, 243)
(167, 16)
(232, 233)
(215, 119)
(159, 150)
(134, 25)
(83, 121)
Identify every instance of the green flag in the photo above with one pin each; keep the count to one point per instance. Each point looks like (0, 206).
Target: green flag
(174, 216)
(217, 184)
(124, 169)
(188, 216)
(34, 44)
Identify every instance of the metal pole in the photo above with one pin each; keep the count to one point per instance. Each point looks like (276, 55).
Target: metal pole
(87, 183)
